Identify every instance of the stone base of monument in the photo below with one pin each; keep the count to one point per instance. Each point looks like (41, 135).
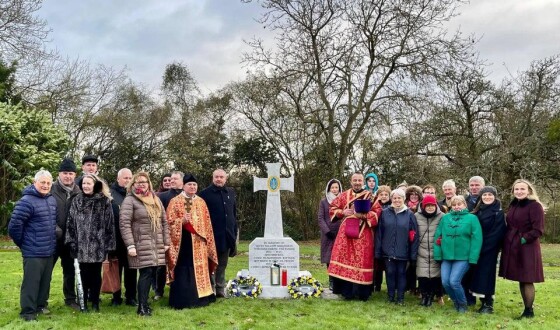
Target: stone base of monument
(265, 252)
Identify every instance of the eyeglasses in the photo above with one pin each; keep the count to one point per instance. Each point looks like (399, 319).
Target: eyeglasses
(141, 182)
(167, 180)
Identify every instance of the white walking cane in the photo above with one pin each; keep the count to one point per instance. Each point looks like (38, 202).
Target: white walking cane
(79, 286)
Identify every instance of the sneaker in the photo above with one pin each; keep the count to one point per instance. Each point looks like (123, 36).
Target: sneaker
(461, 308)
(44, 311)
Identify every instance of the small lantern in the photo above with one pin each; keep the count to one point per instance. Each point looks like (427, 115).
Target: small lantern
(275, 274)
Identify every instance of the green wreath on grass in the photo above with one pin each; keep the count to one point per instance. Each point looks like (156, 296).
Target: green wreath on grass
(305, 287)
(247, 287)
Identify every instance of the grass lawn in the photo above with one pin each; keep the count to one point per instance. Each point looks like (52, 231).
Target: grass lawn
(286, 314)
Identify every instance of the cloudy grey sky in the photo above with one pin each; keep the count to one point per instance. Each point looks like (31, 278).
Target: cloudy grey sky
(207, 35)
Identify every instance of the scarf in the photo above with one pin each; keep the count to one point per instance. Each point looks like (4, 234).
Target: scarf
(153, 208)
(331, 197)
(67, 190)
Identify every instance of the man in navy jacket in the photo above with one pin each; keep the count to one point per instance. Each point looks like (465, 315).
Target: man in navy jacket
(33, 229)
(223, 214)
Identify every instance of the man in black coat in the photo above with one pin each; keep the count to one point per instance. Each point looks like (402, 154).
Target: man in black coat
(176, 188)
(63, 190)
(223, 214)
(118, 192)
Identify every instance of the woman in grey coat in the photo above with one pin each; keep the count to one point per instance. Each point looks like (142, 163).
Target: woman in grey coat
(427, 269)
(145, 234)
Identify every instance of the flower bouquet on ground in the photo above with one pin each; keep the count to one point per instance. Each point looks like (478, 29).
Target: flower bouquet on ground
(305, 287)
(244, 286)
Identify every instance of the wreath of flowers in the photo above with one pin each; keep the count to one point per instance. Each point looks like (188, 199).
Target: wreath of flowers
(305, 287)
(248, 287)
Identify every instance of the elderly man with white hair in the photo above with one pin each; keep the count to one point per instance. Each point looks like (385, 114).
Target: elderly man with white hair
(449, 190)
(33, 229)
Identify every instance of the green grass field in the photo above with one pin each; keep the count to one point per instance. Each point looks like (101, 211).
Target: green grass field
(286, 314)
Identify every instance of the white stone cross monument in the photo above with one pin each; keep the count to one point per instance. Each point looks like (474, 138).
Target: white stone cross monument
(273, 184)
(273, 247)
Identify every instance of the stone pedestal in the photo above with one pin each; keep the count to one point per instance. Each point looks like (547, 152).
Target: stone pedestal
(263, 253)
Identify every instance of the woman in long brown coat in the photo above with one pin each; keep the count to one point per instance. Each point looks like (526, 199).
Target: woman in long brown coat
(145, 234)
(521, 255)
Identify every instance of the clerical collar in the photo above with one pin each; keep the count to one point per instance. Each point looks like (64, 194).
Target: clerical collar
(358, 191)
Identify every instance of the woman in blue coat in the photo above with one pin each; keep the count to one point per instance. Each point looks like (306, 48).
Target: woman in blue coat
(396, 241)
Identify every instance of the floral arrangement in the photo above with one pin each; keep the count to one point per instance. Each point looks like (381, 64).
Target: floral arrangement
(305, 287)
(244, 286)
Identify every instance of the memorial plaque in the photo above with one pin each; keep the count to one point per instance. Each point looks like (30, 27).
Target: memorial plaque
(264, 252)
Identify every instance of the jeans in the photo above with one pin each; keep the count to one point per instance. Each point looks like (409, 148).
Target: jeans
(395, 274)
(452, 272)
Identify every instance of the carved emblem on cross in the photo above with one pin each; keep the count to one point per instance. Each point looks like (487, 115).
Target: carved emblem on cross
(273, 227)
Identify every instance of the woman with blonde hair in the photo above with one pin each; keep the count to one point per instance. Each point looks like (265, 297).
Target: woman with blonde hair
(145, 234)
(90, 233)
(521, 259)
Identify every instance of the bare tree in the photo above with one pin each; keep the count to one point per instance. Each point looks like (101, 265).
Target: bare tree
(341, 60)
(22, 32)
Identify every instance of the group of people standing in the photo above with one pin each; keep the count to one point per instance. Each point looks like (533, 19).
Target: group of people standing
(173, 235)
(450, 246)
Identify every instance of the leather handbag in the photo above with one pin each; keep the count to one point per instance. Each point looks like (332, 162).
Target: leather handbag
(352, 228)
(111, 282)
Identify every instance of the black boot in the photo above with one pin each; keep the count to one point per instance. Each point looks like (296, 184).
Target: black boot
(424, 300)
(430, 300)
(487, 306)
(528, 313)
(95, 307)
(143, 310)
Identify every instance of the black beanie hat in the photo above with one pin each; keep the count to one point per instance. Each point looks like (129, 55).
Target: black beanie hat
(488, 189)
(67, 165)
(189, 178)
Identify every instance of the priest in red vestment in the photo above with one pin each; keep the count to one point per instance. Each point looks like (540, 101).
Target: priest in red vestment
(351, 263)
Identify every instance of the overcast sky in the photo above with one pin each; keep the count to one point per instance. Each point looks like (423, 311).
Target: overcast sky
(207, 35)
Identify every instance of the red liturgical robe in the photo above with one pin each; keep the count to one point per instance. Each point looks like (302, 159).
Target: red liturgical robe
(352, 258)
